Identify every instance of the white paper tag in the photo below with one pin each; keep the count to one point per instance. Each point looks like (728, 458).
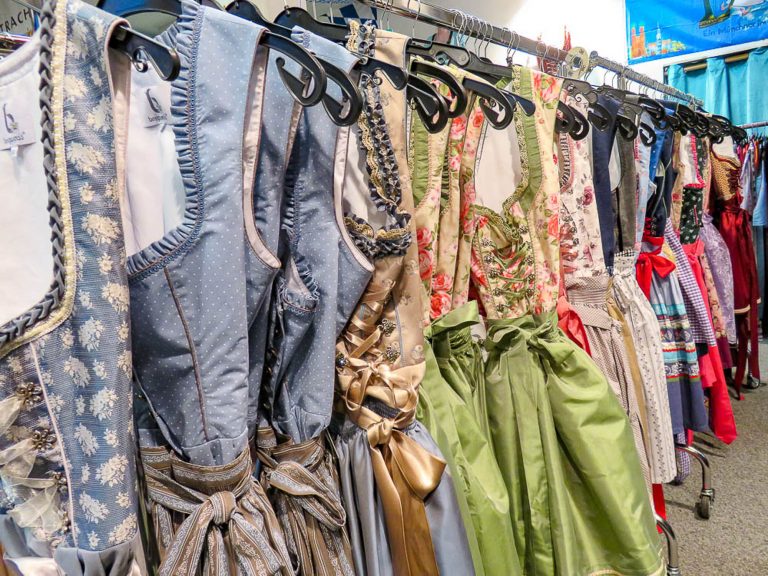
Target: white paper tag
(17, 124)
(155, 106)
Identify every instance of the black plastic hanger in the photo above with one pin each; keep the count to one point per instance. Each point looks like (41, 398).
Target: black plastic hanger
(647, 134)
(494, 72)
(350, 95)
(247, 10)
(291, 17)
(565, 120)
(458, 95)
(429, 105)
(580, 129)
(437, 51)
(497, 107)
(306, 92)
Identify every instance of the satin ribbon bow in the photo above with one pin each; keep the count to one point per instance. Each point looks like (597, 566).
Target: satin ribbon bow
(209, 518)
(405, 472)
(647, 264)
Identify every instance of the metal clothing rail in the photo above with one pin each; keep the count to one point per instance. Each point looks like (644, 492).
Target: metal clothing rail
(469, 25)
(754, 125)
(628, 74)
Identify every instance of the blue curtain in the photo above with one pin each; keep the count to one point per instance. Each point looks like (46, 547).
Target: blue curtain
(738, 90)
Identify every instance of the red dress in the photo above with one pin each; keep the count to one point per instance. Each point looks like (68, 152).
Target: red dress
(735, 226)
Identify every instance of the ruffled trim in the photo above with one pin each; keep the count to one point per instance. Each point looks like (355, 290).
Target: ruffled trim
(183, 37)
(384, 183)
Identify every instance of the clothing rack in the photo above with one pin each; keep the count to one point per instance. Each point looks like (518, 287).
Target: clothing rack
(460, 22)
(628, 74)
(761, 124)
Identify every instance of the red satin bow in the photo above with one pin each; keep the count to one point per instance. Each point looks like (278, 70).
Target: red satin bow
(647, 264)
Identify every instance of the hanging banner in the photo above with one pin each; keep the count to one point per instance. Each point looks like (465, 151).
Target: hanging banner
(660, 28)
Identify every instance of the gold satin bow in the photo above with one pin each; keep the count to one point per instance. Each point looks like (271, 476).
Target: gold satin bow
(405, 472)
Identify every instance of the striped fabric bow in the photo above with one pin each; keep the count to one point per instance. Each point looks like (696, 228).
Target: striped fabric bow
(229, 527)
(302, 483)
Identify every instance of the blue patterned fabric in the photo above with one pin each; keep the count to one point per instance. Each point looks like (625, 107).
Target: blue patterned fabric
(323, 273)
(189, 305)
(75, 365)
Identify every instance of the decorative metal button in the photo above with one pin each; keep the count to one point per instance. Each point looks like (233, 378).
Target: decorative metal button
(30, 393)
(497, 292)
(486, 242)
(61, 481)
(488, 259)
(500, 308)
(341, 360)
(392, 352)
(529, 260)
(43, 440)
(387, 326)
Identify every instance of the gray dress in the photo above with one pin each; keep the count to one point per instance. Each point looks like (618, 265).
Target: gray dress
(321, 279)
(190, 312)
(67, 459)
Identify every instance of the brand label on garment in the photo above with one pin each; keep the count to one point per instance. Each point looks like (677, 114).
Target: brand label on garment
(17, 124)
(155, 107)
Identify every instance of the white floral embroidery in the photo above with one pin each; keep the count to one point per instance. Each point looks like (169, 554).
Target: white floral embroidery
(46, 378)
(90, 333)
(123, 500)
(97, 27)
(78, 371)
(100, 369)
(112, 472)
(110, 190)
(117, 295)
(100, 116)
(74, 88)
(14, 362)
(105, 264)
(80, 261)
(125, 361)
(124, 531)
(85, 300)
(79, 405)
(101, 229)
(111, 438)
(123, 332)
(102, 403)
(85, 158)
(95, 76)
(79, 38)
(86, 193)
(67, 338)
(87, 440)
(70, 122)
(94, 510)
(93, 539)
(56, 403)
(86, 473)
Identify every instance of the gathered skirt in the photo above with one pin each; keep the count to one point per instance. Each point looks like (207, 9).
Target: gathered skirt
(452, 408)
(565, 448)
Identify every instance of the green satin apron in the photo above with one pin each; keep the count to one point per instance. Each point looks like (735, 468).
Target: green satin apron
(578, 500)
(452, 408)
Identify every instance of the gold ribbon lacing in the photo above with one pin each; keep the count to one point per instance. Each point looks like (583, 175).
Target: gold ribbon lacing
(405, 472)
(232, 523)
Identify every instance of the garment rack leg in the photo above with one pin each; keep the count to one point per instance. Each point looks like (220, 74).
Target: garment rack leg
(673, 558)
(707, 494)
